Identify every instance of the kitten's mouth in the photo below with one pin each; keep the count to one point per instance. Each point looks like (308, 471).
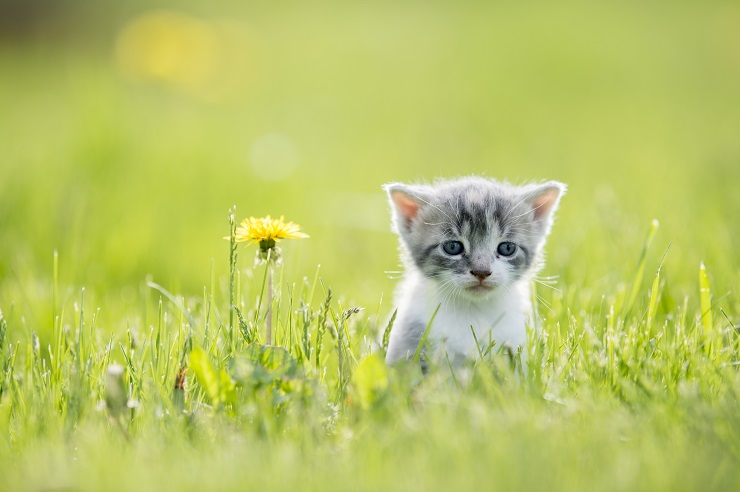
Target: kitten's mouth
(480, 288)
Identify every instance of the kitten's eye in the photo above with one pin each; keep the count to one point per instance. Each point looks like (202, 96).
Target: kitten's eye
(506, 248)
(453, 248)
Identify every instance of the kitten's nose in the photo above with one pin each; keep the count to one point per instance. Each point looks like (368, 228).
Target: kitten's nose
(481, 274)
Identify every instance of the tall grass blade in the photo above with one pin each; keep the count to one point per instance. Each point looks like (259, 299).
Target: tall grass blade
(640, 270)
(387, 331)
(655, 295)
(425, 336)
(3, 330)
(54, 292)
(705, 298)
(321, 327)
(173, 300)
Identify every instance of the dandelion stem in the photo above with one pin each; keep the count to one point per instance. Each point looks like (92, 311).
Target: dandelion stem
(265, 232)
(232, 274)
(268, 321)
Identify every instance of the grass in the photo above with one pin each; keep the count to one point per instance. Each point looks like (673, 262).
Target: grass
(632, 382)
(626, 396)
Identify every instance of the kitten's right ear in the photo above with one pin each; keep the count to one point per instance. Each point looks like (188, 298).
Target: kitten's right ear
(406, 202)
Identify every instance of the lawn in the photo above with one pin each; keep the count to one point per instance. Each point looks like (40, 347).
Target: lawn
(129, 136)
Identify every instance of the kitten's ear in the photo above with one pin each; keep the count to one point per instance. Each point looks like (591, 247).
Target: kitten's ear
(406, 202)
(544, 200)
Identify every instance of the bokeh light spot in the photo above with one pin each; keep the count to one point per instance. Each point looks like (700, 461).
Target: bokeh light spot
(273, 157)
(208, 59)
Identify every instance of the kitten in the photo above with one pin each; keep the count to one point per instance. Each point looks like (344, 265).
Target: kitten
(470, 247)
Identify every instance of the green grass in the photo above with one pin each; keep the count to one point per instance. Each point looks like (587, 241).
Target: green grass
(633, 380)
(613, 399)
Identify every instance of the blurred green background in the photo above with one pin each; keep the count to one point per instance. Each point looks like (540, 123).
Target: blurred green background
(127, 132)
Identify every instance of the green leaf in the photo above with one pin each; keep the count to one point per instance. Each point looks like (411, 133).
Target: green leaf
(205, 374)
(259, 364)
(370, 380)
(227, 387)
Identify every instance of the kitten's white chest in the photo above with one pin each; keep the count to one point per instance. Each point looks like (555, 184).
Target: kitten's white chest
(453, 330)
(501, 319)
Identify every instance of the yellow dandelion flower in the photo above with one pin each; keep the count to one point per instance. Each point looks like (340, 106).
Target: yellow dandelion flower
(267, 231)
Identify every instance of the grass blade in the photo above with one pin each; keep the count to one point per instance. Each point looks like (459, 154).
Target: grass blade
(705, 298)
(640, 270)
(424, 336)
(387, 331)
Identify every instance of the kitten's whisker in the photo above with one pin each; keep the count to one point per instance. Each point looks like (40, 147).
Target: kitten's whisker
(545, 280)
(521, 215)
(514, 207)
(549, 286)
(536, 237)
(440, 298)
(431, 205)
(543, 301)
(528, 211)
(441, 286)
(447, 291)
(458, 206)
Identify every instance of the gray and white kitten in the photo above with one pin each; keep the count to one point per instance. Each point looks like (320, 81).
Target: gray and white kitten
(470, 247)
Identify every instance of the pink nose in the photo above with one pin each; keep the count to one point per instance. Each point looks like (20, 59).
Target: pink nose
(480, 274)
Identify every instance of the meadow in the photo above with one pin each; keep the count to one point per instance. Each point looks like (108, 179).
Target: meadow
(129, 137)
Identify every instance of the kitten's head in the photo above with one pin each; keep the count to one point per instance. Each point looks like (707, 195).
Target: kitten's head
(474, 236)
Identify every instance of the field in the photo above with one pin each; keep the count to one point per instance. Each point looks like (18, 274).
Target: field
(129, 135)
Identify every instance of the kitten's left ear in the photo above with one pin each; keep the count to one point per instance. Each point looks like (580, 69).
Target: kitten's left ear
(544, 200)
(406, 201)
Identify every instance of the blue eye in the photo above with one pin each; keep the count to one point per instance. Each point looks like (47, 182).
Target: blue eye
(453, 248)
(506, 249)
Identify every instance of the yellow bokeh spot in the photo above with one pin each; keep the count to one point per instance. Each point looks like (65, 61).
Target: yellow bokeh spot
(184, 52)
